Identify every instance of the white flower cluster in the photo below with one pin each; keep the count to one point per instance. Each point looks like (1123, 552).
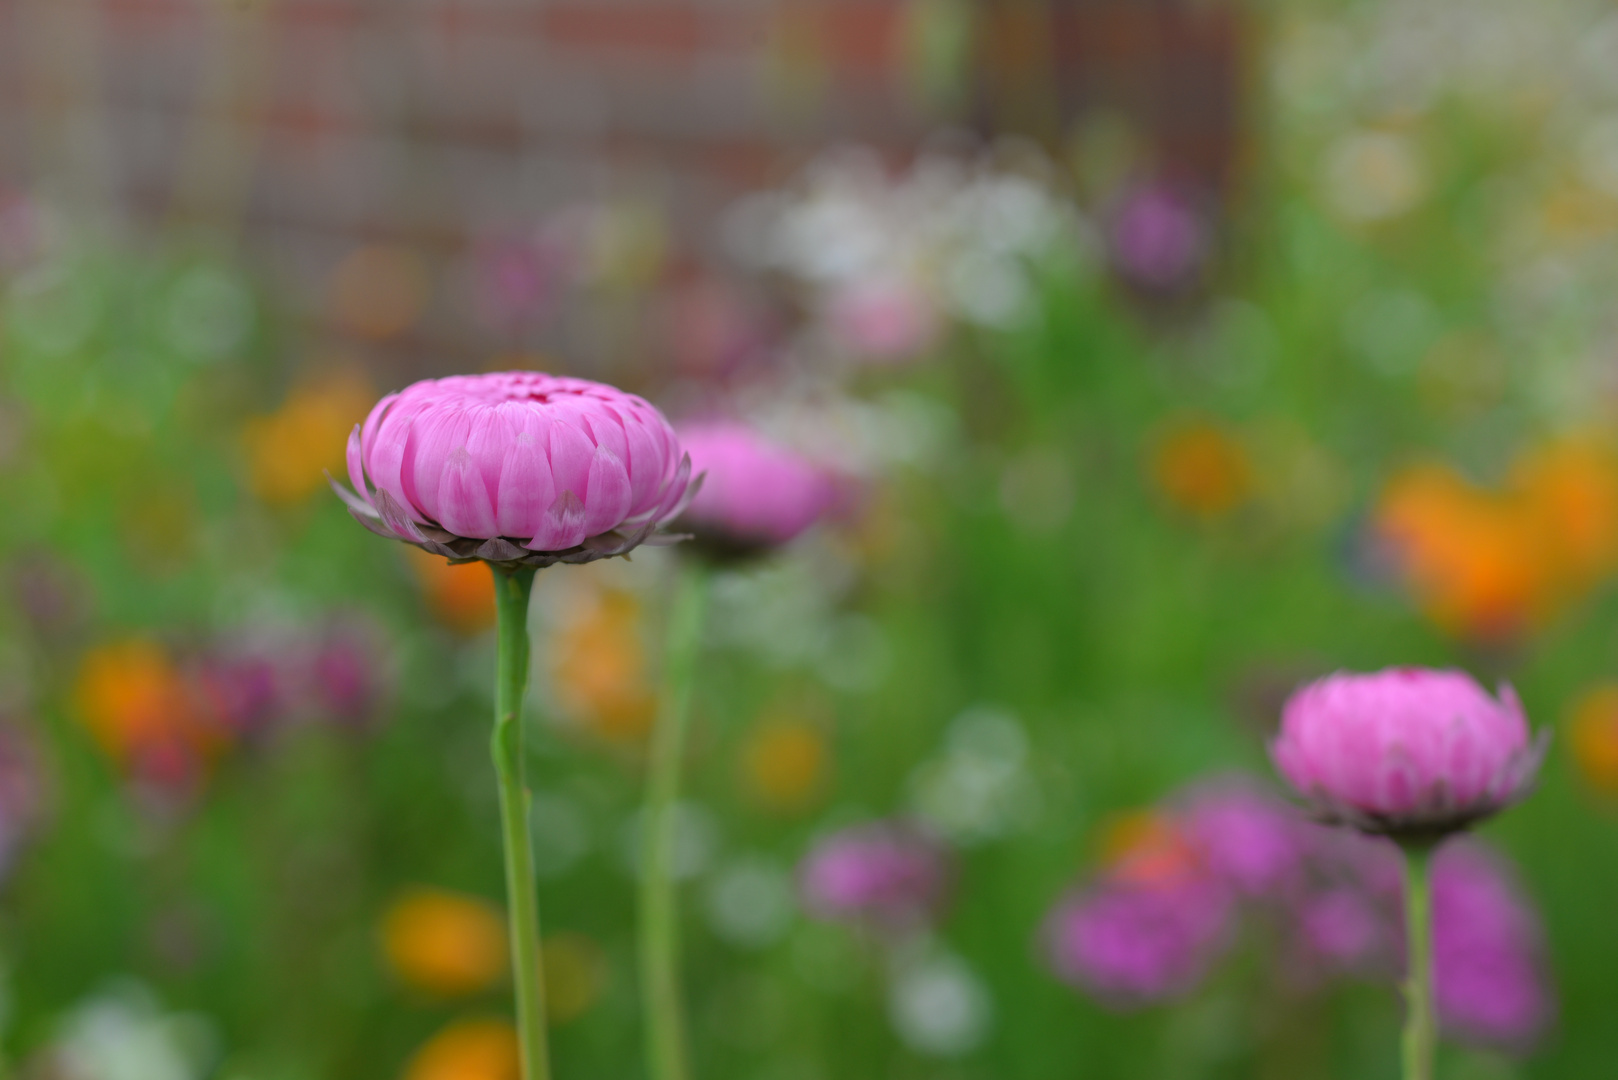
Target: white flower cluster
(885, 257)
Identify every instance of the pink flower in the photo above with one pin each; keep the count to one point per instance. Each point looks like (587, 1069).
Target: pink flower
(1253, 842)
(516, 467)
(883, 320)
(755, 493)
(1487, 952)
(1406, 751)
(888, 873)
(1134, 943)
(1158, 241)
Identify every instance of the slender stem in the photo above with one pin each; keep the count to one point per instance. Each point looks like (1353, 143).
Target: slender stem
(659, 935)
(1421, 1035)
(511, 590)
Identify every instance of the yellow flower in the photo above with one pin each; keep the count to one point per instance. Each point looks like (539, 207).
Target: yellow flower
(1594, 737)
(1201, 468)
(484, 1049)
(576, 973)
(784, 763)
(460, 596)
(444, 942)
(600, 672)
(290, 451)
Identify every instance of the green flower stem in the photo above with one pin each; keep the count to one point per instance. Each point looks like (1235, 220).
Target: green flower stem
(511, 591)
(1421, 1034)
(659, 934)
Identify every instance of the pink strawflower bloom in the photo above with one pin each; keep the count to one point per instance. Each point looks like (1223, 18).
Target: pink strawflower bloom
(888, 873)
(1132, 943)
(516, 467)
(755, 493)
(1406, 751)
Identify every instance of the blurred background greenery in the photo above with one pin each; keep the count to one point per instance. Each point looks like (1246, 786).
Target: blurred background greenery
(1171, 354)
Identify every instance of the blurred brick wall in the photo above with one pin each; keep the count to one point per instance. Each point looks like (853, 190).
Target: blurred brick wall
(318, 125)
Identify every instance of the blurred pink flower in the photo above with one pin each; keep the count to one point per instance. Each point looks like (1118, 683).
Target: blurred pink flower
(516, 467)
(1253, 842)
(1488, 966)
(1405, 750)
(888, 873)
(755, 493)
(516, 281)
(1158, 241)
(1134, 943)
(885, 320)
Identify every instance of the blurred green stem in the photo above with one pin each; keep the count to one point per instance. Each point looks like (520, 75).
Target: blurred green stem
(1420, 1037)
(659, 937)
(511, 591)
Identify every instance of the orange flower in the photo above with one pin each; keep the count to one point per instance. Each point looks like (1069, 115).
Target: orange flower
(483, 1049)
(784, 763)
(575, 975)
(460, 596)
(1570, 489)
(137, 706)
(1201, 469)
(444, 942)
(1147, 848)
(599, 669)
(1594, 737)
(1492, 564)
(290, 451)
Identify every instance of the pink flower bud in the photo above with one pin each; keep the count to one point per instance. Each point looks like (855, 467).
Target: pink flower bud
(755, 493)
(516, 467)
(1406, 751)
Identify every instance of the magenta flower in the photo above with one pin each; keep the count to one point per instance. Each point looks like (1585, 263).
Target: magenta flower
(1134, 943)
(887, 873)
(1487, 952)
(1407, 751)
(1158, 241)
(755, 494)
(1251, 841)
(517, 467)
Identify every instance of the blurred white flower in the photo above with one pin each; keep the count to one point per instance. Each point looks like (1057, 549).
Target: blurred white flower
(751, 901)
(980, 787)
(938, 1005)
(1374, 175)
(696, 841)
(121, 1033)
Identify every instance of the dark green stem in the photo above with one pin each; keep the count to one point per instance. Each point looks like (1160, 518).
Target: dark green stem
(659, 934)
(511, 590)
(1421, 1031)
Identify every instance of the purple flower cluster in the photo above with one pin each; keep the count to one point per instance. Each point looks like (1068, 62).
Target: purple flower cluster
(250, 688)
(1164, 910)
(889, 874)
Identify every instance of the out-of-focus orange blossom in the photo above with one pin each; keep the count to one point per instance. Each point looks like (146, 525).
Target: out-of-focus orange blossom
(599, 668)
(1146, 848)
(1201, 469)
(784, 763)
(461, 596)
(1593, 737)
(444, 942)
(290, 451)
(576, 972)
(482, 1049)
(378, 291)
(138, 707)
(1493, 564)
